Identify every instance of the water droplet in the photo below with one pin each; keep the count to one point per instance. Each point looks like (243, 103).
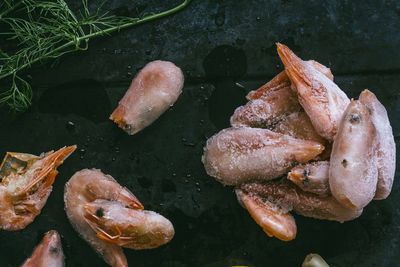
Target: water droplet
(198, 189)
(240, 85)
(129, 67)
(258, 18)
(70, 126)
(82, 152)
(148, 52)
(129, 74)
(197, 183)
(189, 144)
(174, 174)
(113, 159)
(188, 175)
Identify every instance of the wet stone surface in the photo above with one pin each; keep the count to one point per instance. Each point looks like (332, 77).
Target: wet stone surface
(225, 49)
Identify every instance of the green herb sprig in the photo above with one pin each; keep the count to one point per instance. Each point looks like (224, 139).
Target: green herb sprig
(48, 30)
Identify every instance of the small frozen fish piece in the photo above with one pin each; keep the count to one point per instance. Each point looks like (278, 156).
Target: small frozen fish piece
(282, 80)
(108, 216)
(278, 82)
(265, 111)
(156, 87)
(386, 147)
(270, 217)
(288, 196)
(353, 172)
(321, 98)
(26, 183)
(237, 155)
(48, 253)
(271, 102)
(134, 229)
(312, 177)
(298, 125)
(314, 260)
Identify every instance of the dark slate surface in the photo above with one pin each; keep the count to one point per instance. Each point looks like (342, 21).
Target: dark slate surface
(225, 49)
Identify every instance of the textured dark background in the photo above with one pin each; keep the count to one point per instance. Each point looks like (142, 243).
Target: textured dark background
(225, 49)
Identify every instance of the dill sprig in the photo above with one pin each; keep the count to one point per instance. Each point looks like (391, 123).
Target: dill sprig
(48, 30)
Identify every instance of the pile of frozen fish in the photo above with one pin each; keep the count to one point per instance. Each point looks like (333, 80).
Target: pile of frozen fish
(301, 144)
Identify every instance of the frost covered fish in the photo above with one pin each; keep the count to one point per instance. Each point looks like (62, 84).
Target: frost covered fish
(26, 183)
(385, 145)
(289, 197)
(282, 80)
(353, 171)
(156, 87)
(312, 177)
(237, 155)
(272, 102)
(272, 219)
(266, 110)
(321, 98)
(269, 204)
(278, 82)
(108, 216)
(48, 253)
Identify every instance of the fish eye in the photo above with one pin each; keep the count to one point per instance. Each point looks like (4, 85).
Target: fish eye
(355, 118)
(306, 173)
(344, 163)
(100, 212)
